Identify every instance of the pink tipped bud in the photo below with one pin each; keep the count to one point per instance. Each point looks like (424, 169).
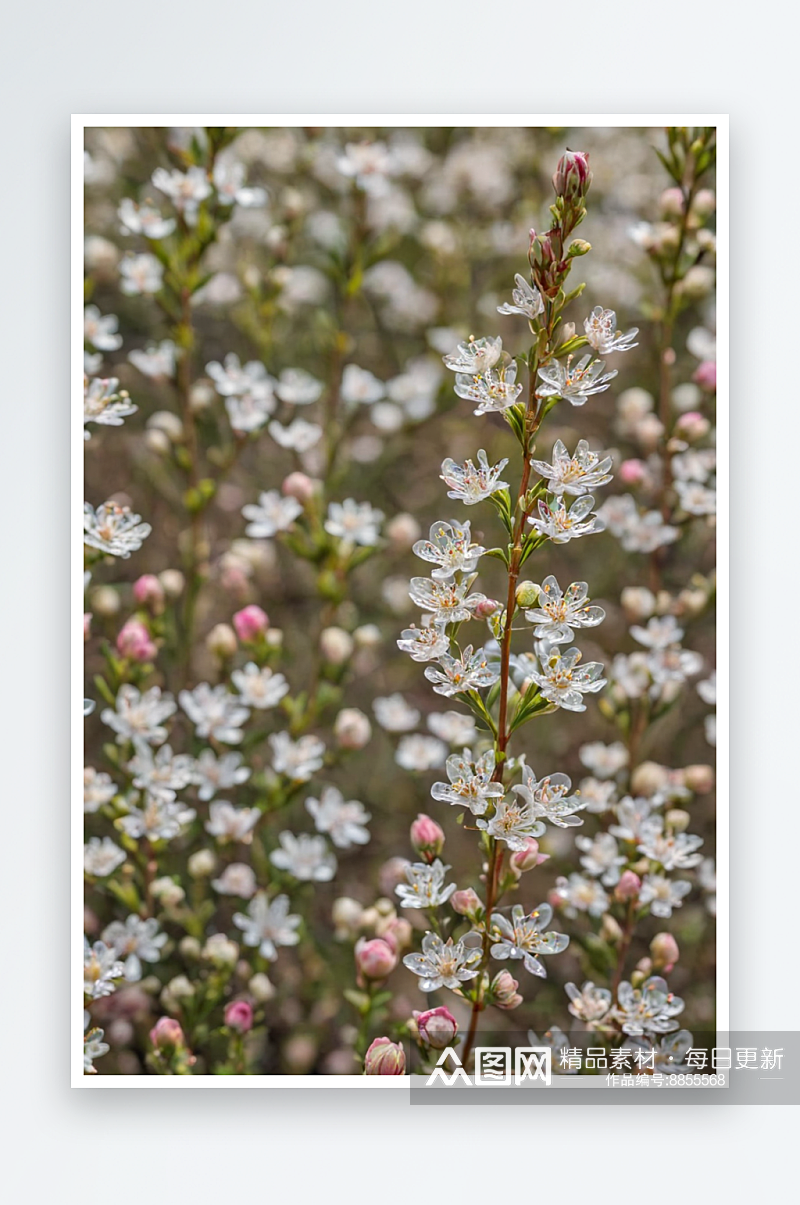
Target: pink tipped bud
(427, 837)
(504, 991)
(352, 728)
(299, 486)
(572, 177)
(466, 903)
(706, 376)
(487, 608)
(87, 625)
(529, 857)
(436, 1027)
(250, 623)
(375, 959)
(672, 203)
(699, 779)
(396, 931)
(692, 426)
(628, 886)
(385, 1058)
(149, 592)
(166, 1034)
(664, 952)
(134, 642)
(632, 472)
(239, 1016)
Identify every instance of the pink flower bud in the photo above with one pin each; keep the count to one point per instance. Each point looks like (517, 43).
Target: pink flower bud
(692, 426)
(572, 177)
(391, 874)
(149, 592)
(239, 1016)
(427, 837)
(166, 1034)
(529, 857)
(632, 472)
(134, 642)
(87, 625)
(504, 991)
(465, 903)
(375, 959)
(671, 203)
(299, 486)
(706, 375)
(396, 931)
(628, 886)
(487, 608)
(436, 1027)
(250, 623)
(385, 1058)
(664, 952)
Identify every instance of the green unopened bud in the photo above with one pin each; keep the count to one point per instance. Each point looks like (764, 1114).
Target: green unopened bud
(526, 594)
(578, 246)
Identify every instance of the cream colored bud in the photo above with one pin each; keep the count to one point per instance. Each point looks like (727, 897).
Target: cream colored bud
(169, 423)
(403, 530)
(678, 820)
(352, 728)
(157, 442)
(346, 914)
(637, 602)
(189, 947)
(699, 779)
(368, 636)
(336, 645)
(648, 778)
(173, 582)
(262, 990)
(168, 891)
(201, 395)
(202, 864)
(221, 641)
(105, 601)
(220, 950)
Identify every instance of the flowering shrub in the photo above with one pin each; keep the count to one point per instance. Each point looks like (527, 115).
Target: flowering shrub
(291, 657)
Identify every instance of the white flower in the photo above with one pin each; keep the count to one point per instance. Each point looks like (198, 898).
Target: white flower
(157, 820)
(696, 464)
(143, 219)
(597, 796)
(140, 274)
(298, 436)
(156, 360)
(563, 682)
(424, 644)
(228, 823)
(259, 688)
(632, 815)
(590, 1004)
(344, 820)
(248, 411)
(185, 189)
(93, 1046)
(161, 774)
(708, 690)
(522, 937)
(273, 513)
(214, 712)
(394, 714)
(601, 331)
(140, 716)
(601, 857)
(470, 671)
(444, 964)
(453, 727)
(101, 858)
(636, 532)
(231, 379)
(526, 300)
(576, 474)
(229, 182)
(236, 879)
(101, 331)
(560, 525)
(663, 894)
(449, 547)
(476, 356)
(557, 613)
(647, 1009)
(575, 382)
(101, 968)
(113, 529)
(212, 774)
(514, 822)
(470, 784)
(710, 725)
(662, 632)
(494, 391)
(469, 484)
(297, 387)
(447, 601)
(360, 386)
(135, 940)
(368, 164)
(306, 858)
(420, 753)
(97, 789)
(425, 887)
(298, 760)
(550, 798)
(675, 851)
(603, 760)
(355, 522)
(268, 925)
(581, 895)
(696, 499)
